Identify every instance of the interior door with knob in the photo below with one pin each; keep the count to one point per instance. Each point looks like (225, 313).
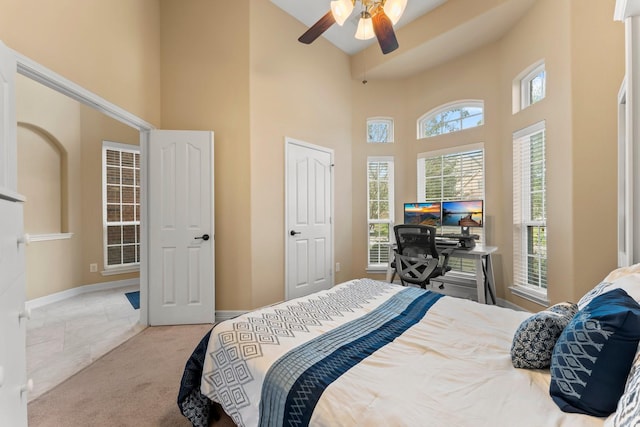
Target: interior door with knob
(308, 200)
(181, 263)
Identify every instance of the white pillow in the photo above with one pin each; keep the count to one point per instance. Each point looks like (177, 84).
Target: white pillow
(622, 271)
(629, 281)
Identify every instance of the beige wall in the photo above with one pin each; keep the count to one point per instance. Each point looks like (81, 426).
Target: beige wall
(227, 67)
(97, 127)
(47, 118)
(583, 50)
(303, 93)
(549, 22)
(110, 47)
(55, 120)
(205, 86)
(597, 70)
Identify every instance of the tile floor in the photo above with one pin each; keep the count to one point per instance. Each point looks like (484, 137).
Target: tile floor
(66, 336)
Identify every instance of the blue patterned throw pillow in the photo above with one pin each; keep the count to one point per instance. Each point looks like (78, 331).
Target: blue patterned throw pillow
(593, 356)
(535, 338)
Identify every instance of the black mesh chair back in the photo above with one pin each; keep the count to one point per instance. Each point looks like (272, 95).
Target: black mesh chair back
(416, 259)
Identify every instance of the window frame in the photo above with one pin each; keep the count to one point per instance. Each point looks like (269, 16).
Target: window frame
(122, 267)
(459, 104)
(381, 120)
(383, 264)
(523, 222)
(521, 93)
(525, 86)
(464, 266)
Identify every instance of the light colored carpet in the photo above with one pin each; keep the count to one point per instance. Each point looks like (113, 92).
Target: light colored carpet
(135, 384)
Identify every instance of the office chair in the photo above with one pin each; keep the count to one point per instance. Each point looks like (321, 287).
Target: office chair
(416, 258)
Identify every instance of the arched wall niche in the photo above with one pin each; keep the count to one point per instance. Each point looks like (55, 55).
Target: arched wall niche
(43, 179)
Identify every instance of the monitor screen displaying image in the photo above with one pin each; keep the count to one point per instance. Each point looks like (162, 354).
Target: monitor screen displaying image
(422, 213)
(467, 213)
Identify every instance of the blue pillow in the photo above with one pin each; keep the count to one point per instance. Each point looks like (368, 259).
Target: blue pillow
(593, 356)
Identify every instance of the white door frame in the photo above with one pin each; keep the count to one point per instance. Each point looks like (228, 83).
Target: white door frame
(49, 78)
(287, 143)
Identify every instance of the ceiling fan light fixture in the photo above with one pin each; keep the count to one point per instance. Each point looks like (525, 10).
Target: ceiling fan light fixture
(365, 28)
(341, 10)
(394, 9)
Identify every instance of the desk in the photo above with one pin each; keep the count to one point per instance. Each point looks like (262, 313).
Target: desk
(484, 269)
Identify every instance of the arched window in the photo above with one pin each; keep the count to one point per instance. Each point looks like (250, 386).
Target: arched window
(452, 117)
(379, 130)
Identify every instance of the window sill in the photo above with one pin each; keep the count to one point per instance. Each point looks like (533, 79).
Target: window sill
(121, 270)
(46, 237)
(537, 297)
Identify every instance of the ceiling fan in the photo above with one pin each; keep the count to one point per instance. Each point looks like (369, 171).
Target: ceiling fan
(377, 18)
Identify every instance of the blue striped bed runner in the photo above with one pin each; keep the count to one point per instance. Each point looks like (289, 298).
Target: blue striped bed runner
(295, 382)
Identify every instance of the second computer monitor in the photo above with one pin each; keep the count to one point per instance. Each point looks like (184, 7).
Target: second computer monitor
(467, 213)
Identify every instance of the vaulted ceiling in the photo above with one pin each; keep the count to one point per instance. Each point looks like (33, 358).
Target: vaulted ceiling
(430, 32)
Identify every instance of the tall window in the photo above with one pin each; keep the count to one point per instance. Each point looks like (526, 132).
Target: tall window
(380, 210)
(453, 117)
(529, 211)
(121, 204)
(379, 130)
(453, 174)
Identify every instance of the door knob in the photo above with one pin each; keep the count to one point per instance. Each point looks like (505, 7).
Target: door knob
(293, 232)
(204, 237)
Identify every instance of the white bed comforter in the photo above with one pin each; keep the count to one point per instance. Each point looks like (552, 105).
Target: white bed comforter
(451, 368)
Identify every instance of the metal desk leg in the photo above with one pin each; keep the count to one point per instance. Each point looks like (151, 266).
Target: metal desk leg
(480, 280)
(491, 285)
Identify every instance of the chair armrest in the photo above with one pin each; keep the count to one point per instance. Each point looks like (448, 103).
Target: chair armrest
(445, 253)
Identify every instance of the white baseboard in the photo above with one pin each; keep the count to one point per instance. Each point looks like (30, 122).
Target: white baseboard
(508, 304)
(222, 315)
(59, 296)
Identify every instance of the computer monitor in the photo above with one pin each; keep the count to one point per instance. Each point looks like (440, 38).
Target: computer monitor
(422, 213)
(463, 213)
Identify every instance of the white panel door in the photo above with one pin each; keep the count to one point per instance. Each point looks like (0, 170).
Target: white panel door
(181, 228)
(13, 371)
(309, 230)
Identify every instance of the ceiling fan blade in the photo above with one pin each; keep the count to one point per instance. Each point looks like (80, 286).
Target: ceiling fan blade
(318, 28)
(383, 29)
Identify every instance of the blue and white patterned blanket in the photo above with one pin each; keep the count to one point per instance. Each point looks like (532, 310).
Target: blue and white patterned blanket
(280, 359)
(369, 353)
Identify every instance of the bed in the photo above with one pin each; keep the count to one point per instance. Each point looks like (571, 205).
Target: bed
(373, 353)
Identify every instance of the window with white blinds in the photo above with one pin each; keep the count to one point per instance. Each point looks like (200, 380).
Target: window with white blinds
(121, 204)
(453, 174)
(380, 210)
(529, 210)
